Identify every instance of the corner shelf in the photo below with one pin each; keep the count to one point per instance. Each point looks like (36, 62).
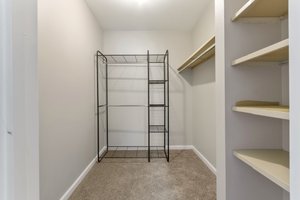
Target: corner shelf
(205, 52)
(275, 53)
(262, 8)
(266, 109)
(271, 163)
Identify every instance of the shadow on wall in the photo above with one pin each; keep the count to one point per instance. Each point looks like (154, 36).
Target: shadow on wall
(179, 112)
(176, 82)
(204, 74)
(200, 75)
(187, 76)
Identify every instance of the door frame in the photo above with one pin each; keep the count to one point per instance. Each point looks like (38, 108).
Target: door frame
(19, 100)
(5, 143)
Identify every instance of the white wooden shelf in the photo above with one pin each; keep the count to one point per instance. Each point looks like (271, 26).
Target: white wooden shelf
(273, 164)
(266, 109)
(205, 52)
(262, 8)
(275, 53)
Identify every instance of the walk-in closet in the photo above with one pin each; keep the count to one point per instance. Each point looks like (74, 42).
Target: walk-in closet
(149, 100)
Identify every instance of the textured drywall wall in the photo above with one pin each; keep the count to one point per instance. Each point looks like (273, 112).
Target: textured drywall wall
(68, 37)
(134, 91)
(203, 89)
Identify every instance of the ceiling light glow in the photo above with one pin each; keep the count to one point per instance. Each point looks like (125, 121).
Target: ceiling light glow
(138, 2)
(141, 2)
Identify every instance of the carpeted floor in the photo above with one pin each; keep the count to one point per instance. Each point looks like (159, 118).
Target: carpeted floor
(186, 177)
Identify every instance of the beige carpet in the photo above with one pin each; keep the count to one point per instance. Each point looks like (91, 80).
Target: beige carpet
(186, 177)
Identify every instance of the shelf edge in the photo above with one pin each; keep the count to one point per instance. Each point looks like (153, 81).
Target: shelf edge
(264, 173)
(243, 12)
(194, 56)
(264, 51)
(243, 9)
(264, 113)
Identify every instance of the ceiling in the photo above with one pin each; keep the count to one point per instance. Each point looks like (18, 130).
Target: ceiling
(147, 14)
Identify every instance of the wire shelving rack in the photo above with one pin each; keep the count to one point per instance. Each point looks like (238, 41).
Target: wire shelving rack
(144, 60)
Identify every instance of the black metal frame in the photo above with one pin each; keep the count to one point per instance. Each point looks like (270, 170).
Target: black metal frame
(104, 60)
(147, 60)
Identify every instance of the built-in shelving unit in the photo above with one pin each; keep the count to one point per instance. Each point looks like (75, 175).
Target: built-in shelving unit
(271, 163)
(205, 52)
(266, 109)
(262, 8)
(275, 53)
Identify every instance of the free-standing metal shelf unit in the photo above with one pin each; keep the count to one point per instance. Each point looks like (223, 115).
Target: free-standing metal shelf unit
(143, 60)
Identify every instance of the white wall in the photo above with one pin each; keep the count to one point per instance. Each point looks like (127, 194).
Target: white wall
(138, 42)
(205, 28)
(4, 63)
(294, 32)
(19, 174)
(22, 99)
(68, 37)
(203, 81)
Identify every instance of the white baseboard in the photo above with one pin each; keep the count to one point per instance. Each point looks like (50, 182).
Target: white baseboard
(191, 147)
(181, 147)
(69, 192)
(206, 162)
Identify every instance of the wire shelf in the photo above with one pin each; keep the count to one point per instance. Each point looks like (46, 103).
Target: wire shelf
(135, 152)
(135, 58)
(157, 81)
(157, 129)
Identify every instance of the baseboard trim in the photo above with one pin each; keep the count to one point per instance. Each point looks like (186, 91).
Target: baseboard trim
(206, 162)
(72, 188)
(191, 147)
(181, 147)
(70, 191)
